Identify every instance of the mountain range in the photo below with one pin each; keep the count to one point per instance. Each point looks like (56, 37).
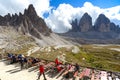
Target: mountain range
(103, 30)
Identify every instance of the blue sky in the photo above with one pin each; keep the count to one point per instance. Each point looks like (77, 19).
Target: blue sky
(79, 3)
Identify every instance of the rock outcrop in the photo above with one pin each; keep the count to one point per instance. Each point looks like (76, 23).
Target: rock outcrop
(114, 28)
(102, 24)
(29, 22)
(85, 23)
(75, 27)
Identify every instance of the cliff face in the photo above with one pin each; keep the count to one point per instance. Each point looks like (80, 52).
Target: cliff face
(29, 22)
(102, 24)
(85, 23)
(75, 27)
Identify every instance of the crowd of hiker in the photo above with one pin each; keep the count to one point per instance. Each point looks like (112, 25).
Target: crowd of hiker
(53, 68)
(25, 61)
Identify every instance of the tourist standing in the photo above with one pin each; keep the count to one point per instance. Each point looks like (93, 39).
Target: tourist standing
(41, 71)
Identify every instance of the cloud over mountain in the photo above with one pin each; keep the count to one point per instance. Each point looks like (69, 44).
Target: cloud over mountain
(60, 18)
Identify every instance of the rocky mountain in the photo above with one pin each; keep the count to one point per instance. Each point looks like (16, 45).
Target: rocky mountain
(85, 23)
(103, 30)
(29, 22)
(102, 24)
(75, 27)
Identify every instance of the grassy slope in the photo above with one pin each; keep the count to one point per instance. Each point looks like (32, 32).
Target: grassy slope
(101, 58)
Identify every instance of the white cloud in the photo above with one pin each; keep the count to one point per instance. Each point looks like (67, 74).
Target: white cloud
(59, 20)
(16, 6)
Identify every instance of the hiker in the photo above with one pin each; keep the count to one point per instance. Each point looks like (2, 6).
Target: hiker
(21, 62)
(29, 62)
(0, 56)
(25, 62)
(19, 57)
(13, 59)
(34, 61)
(41, 71)
(57, 62)
(9, 55)
(9, 58)
(77, 67)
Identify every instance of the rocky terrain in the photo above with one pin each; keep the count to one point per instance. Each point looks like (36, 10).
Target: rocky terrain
(29, 22)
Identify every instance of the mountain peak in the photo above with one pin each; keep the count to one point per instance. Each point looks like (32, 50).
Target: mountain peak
(102, 23)
(102, 15)
(86, 14)
(85, 23)
(30, 11)
(31, 6)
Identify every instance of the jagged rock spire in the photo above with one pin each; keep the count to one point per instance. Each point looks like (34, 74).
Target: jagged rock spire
(85, 23)
(102, 23)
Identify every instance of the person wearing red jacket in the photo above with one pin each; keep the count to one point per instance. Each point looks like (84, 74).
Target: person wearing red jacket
(41, 71)
(56, 61)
